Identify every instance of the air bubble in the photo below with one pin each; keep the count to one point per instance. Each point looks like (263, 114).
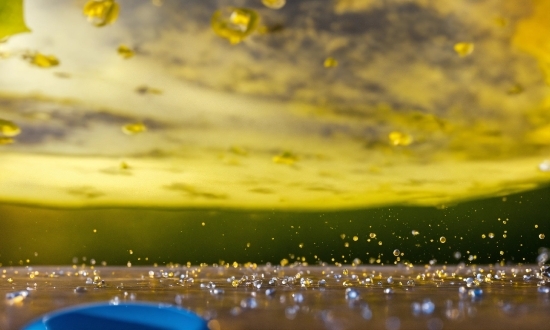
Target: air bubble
(396, 252)
(542, 236)
(16, 297)
(415, 232)
(352, 294)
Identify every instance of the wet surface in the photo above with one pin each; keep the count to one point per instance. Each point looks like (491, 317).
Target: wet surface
(295, 297)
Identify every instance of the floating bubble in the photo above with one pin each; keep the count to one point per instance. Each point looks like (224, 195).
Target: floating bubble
(270, 292)
(355, 238)
(491, 235)
(396, 252)
(464, 48)
(101, 12)
(415, 232)
(542, 236)
(388, 291)
(442, 239)
(372, 235)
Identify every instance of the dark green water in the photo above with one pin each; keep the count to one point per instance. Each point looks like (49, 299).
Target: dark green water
(53, 236)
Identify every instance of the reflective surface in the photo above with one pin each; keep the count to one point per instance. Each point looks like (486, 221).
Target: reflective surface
(265, 297)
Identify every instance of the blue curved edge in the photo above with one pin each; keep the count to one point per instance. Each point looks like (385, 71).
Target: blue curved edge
(127, 316)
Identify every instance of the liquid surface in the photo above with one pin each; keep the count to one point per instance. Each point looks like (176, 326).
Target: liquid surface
(295, 297)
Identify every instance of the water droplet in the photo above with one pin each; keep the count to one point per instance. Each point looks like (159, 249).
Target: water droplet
(41, 60)
(396, 252)
(274, 4)
(464, 48)
(542, 236)
(270, 292)
(352, 294)
(428, 306)
(5, 140)
(249, 302)
(134, 128)
(298, 298)
(16, 297)
(217, 291)
(9, 128)
(442, 239)
(545, 166)
(80, 289)
(125, 51)
(475, 292)
(286, 158)
(234, 24)
(400, 139)
(101, 12)
(330, 62)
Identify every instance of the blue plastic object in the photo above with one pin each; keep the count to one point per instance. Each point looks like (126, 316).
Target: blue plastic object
(132, 316)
